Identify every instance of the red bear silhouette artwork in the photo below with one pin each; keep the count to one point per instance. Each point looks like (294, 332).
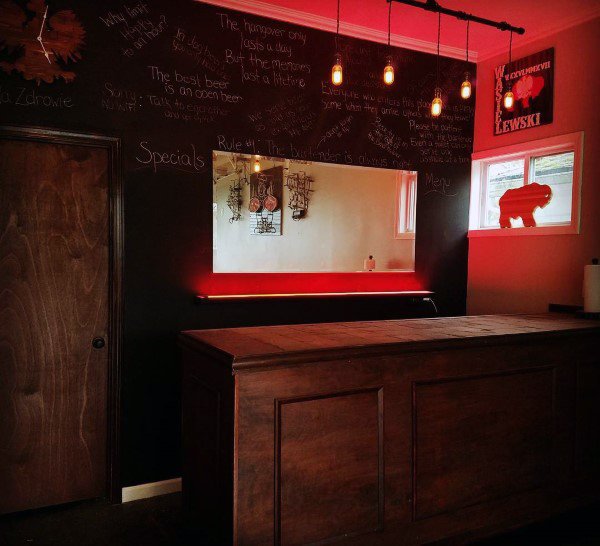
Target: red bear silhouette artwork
(522, 202)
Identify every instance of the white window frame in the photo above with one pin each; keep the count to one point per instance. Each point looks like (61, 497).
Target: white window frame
(215, 211)
(406, 205)
(572, 142)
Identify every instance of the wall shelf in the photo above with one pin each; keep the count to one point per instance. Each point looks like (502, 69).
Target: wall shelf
(204, 298)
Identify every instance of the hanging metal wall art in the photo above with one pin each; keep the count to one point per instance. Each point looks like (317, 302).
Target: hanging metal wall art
(234, 199)
(300, 187)
(266, 193)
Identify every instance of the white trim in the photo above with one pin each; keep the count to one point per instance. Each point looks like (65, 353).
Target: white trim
(534, 146)
(147, 490)
(265, 9)
(555, 144)
(524, 231)
(531, 37)
(405, 205)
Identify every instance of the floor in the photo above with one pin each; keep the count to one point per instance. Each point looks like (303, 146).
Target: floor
(159, 521)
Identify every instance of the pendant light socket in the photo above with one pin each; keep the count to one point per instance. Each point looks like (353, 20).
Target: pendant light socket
(436, 103)
(388, 72)
(337, 72)
(465, 88)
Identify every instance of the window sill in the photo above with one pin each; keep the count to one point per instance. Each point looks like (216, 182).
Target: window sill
(524, 231)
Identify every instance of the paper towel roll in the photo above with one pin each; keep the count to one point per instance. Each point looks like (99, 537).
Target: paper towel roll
(591, 288)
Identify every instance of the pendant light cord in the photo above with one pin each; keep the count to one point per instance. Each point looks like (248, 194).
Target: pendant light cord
(389, 23)
(468, 40)
(510, 48)
(437, 69)
(337, 32)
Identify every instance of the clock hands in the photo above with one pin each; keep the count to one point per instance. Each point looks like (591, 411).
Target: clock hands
(39, 38)
(43, 22)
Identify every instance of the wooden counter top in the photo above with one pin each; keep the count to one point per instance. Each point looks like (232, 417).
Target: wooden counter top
(261, 346)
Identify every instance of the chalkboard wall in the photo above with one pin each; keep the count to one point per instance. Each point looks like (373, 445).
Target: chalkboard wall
(176, 80)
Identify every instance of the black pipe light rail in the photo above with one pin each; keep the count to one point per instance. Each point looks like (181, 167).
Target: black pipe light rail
(432, 5)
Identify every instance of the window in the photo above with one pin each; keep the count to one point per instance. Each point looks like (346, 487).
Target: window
(550, 169)
(556, 171)
(406, 204)
(215, 223)
(500, 176)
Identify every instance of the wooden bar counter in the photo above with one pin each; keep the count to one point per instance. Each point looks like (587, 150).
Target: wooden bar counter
(389, 432)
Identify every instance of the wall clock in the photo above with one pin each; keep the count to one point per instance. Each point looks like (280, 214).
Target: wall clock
(38, 43)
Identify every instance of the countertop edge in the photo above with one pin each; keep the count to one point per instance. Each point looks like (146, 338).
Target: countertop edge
(249, 363)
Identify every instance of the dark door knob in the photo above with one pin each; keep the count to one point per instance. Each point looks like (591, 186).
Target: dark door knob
(98, 343)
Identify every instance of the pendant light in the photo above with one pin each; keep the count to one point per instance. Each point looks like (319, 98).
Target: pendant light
(436, 103)
(465, 88)
(509, 98)
(337, 72)
(388, 71)
(256, 165)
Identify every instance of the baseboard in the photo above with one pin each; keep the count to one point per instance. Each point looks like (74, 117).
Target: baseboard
(147, 490)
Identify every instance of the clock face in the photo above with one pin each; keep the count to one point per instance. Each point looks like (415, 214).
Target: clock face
(39, 46)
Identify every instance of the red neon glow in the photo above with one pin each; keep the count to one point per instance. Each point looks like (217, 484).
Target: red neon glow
(302, 283)
(414, 293)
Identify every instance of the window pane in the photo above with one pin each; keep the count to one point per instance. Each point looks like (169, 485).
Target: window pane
(215, 222)
(557, 172)
(501, 176)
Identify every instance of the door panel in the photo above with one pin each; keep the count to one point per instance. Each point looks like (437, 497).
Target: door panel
(54, 290)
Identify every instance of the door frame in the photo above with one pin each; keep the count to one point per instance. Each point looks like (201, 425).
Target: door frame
(115, 282)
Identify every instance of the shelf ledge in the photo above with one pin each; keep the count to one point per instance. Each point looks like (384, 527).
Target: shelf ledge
(202, 298)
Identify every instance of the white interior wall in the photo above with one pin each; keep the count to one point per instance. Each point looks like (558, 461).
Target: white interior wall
(350, 216)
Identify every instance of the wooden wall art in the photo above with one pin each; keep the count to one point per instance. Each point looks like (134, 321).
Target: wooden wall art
(42, 44)
(523, 202)
(266, 194)
(531, 79)
(300, 187)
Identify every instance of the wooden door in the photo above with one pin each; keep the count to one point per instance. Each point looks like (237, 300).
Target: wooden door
(54, 301)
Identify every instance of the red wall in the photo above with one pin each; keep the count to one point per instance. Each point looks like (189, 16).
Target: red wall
(526, 273)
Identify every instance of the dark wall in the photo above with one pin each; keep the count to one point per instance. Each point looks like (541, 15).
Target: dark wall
(129, 82)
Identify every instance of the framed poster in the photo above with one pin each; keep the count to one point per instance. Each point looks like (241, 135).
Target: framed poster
(531, 79)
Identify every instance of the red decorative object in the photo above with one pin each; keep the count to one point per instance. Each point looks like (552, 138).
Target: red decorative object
(39, 42)
(254, 204)
(528, 87)
(522, 202)
(531, 82)
(270, 203)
